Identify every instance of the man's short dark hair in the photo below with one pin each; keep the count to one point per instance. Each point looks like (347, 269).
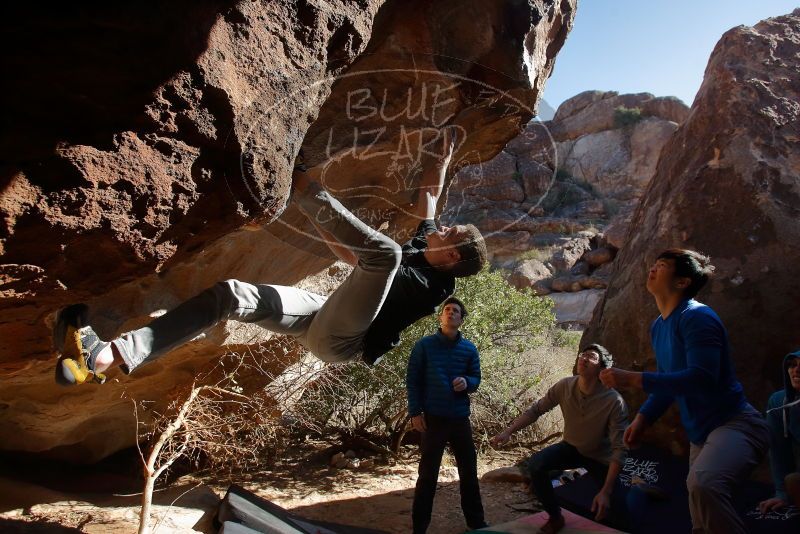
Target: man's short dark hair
(606, 359)
(453, 300)
(473, 253)
(692, 265)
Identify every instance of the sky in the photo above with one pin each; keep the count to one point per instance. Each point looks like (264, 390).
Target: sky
(655, 46)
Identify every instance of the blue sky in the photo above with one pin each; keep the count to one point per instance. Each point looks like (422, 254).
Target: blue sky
(656, 46)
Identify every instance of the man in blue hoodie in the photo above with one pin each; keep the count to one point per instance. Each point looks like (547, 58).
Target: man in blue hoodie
(783, 416)
(728, 436)
(442, 371)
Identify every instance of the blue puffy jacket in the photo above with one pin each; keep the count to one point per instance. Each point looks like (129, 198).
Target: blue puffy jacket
(434, 363)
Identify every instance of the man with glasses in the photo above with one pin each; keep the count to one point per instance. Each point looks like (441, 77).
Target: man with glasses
(594, 423)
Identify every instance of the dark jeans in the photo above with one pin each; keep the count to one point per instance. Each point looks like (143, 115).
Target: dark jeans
(558, 457)
(457, 432)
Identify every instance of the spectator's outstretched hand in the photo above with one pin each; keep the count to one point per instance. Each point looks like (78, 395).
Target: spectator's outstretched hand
(500, 439)
(600, 505)
(633, 434)
(620, 379)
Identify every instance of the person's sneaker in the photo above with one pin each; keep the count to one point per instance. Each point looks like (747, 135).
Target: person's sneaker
(78, 347)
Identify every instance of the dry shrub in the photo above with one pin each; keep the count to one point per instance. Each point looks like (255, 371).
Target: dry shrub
(213, 423)
(225, 425)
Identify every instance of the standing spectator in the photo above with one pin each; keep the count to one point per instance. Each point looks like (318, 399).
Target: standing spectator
(443, 370)
(728, 436)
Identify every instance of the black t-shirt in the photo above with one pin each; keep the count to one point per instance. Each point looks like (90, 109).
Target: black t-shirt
(416, 290)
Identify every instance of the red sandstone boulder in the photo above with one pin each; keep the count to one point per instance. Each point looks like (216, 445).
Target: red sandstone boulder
(582, 166)
(597, 112)
(145, 138)
(528, 273)
(570, 253)
(726, 184)
(599, 256)
(615, 234)
(575, 308)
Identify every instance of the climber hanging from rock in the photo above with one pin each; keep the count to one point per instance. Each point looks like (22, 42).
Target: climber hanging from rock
(390, 287)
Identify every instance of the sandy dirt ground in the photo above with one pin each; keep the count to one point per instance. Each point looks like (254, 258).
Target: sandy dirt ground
(47, 497)
(378, 497)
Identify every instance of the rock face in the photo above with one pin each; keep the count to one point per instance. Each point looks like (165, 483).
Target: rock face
(138, 151)
(589, 165)
(726, 184)
(610, 143)
(529, 272)
(587, 168)
(618, 163)
(575, 308)
(593, 112)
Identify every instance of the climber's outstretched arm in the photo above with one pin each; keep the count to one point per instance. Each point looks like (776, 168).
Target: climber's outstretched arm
(432, 182)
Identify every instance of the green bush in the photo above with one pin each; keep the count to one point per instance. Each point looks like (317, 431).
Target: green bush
(627, 116)
(542, 254)
(504, 323)
(569, 339)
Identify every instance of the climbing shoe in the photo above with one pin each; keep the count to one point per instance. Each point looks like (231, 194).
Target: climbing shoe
(79, 346)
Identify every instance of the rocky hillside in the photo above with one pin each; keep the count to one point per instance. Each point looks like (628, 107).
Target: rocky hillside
(727, 184)
(145, 142)
(555, 203)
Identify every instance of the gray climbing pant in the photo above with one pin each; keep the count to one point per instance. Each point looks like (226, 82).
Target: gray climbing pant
(719, 466)
(332, 328)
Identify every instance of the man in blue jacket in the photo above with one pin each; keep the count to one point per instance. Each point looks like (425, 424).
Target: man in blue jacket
(442, 371)
(728, 436)
(783, 416)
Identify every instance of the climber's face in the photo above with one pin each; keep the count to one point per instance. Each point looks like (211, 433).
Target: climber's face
(442, 245)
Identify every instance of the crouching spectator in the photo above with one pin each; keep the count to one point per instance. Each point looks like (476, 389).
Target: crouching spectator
(594, 423)
(783, 418)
